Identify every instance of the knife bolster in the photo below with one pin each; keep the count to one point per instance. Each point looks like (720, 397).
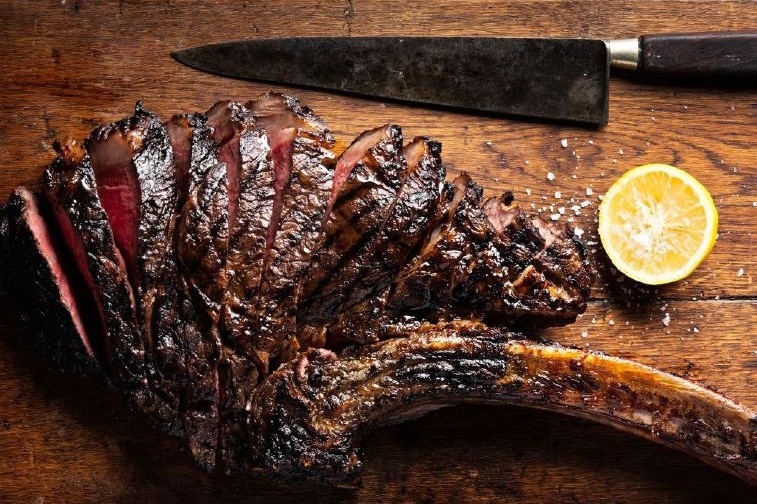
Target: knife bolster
(624, 53)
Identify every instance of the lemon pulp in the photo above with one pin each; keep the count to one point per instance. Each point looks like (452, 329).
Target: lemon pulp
(657, 223)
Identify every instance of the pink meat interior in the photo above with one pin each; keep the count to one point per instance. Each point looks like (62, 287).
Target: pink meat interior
(119, 193)
(76, 247)
(349, 159)
(226, 136)
(41, 233)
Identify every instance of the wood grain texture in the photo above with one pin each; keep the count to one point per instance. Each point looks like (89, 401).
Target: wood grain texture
(70, 65)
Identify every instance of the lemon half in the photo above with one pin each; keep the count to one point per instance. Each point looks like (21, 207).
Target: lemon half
(657, 223)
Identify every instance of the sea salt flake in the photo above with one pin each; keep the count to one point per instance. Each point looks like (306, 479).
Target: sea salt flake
(584, 334)
(558, 194)
(564, 143)
(585, 203)
(666, 320)
(578, 232)
(561, 210)
(555, 216)
(589, 191)
(550, 176)
(528, 191)
(611, 322)
(620, 151)
(740, 273)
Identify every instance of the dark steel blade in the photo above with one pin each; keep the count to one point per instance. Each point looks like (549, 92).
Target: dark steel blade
(564, 79)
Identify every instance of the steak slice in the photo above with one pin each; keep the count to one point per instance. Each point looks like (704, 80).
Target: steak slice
(415, 212)
(71, 187)
(418, 209)
(309, 417)
(367, 179)
(202, 244)
(300, 172)
(55, 300)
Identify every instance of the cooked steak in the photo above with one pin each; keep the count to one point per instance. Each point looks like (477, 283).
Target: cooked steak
(268, 301)
(71, 187)
(43, 272)
(301, 152)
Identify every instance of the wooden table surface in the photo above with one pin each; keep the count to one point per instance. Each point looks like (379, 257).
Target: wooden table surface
(68, 65)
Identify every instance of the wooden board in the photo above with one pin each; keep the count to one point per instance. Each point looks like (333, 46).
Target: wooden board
(69, 65)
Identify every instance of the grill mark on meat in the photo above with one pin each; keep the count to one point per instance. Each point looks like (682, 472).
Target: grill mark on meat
(36, 262)
(202, 242)
(137, 183)
(72, 192)
(490, 262)
(415, 211)
(360, 208)
(301, 154)
(211, 209)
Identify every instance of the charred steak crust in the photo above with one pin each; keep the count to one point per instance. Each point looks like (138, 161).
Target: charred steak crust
(358, 209)
(301, 151)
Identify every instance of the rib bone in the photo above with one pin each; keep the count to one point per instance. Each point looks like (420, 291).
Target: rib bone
(309, 416)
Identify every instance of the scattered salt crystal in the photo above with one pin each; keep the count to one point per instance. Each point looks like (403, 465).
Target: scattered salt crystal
(695, 329)
(526, 161)
(584, 334)
(528, 191)
(740, 273)
(666, 319)
(564, 143)
(620, 151)
(555, 216)
(558, 194)
(576, 209)
(488, 144)
(611, 322)
(561, 210)
(550, 176)
(589, 191)
(585, 203)
(578, 232)
(594, 320)
(754, 203)
(591, 142)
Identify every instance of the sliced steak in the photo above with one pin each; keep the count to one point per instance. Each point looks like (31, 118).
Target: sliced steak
(367, 179)
(415, 212)
(71, 187)
(56, 302)
(300, 169)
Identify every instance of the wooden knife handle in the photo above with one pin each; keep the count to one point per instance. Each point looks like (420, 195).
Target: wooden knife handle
(718, 54)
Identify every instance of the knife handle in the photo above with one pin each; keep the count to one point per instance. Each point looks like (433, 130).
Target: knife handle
(704, 54)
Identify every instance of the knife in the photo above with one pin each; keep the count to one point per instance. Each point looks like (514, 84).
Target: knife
(547, 78)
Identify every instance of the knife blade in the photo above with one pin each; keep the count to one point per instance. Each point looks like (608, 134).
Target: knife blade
(547, 78)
